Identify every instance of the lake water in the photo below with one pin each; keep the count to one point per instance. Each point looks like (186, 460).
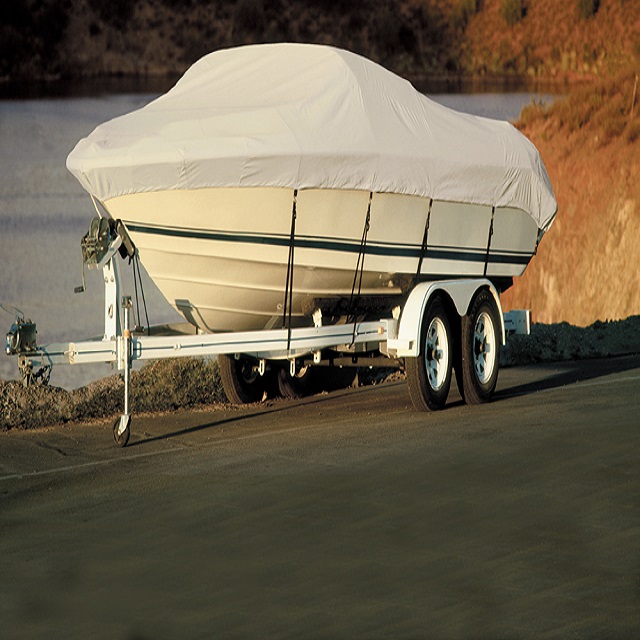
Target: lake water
(44, 213)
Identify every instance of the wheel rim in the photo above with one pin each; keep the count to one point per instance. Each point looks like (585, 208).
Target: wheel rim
(436, 357)
(248, 372)
(301, 372)
(484, 347)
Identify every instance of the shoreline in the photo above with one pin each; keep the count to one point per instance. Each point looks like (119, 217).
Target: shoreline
(92, 85)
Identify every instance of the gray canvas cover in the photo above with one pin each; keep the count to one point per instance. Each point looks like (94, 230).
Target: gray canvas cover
(310, 116)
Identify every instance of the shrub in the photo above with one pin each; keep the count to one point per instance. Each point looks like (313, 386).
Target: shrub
(335, 6)
(588, 8)
(632, 132)
(248, 17)
(533, 112)
(392, 34)
(29, 35)
(385, 34)
(463, 11)
(603, 107)
(513, 11)
(15, 14)
(115, 13)
(177, 4)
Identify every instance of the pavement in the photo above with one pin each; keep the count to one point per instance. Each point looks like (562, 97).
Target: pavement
(343, 515)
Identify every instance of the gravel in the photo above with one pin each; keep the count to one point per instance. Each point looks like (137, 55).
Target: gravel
(557, 342)
(160, 386)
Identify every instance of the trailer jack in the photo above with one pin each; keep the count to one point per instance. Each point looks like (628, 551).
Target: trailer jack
(122, 426)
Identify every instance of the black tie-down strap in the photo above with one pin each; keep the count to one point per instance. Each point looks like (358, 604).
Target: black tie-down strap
(288, 290)
(486, 257)
(423, 246)
(357, 276)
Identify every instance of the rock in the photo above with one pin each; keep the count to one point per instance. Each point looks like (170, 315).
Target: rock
(163, 385)
(30, 407)
(555, 342)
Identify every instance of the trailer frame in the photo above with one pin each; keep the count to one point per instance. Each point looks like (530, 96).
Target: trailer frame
(395, 338)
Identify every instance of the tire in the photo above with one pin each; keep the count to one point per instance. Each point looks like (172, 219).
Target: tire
(429, 374)
(122, 437)
(241, 381)
(296, 386)
(480, 342)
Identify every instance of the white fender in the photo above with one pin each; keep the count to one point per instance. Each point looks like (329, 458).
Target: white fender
(461, 292)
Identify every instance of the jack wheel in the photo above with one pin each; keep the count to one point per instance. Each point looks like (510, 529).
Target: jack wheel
(122, 430)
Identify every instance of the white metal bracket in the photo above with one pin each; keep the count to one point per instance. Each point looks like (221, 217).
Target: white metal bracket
(518, 321)
(112, 289)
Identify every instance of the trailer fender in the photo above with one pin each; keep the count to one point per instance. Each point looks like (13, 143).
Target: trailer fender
(460, 292)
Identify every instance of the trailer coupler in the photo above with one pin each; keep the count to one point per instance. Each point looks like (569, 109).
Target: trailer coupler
(21, 337)
(21, 341)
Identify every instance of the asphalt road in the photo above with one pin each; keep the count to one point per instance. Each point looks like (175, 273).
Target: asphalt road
(341, 516)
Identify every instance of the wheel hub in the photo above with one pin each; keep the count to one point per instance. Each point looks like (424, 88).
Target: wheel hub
(436, 354)
(484, 347)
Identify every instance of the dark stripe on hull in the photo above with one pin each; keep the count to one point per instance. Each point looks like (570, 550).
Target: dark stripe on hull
(336, 244)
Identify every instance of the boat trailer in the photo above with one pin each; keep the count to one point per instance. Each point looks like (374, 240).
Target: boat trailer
(417, 331)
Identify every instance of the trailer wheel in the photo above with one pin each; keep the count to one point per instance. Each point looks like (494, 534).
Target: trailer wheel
(296, 386)
(429, 374)
(241, 380)
(122, 430)
(480, 349)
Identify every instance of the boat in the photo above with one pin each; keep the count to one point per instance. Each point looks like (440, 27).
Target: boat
(275, 181)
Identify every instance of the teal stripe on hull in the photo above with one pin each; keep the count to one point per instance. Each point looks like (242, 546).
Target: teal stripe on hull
(335, 244)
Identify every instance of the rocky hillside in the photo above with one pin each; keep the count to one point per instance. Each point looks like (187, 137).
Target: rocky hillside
(588, 265)
(542, 38)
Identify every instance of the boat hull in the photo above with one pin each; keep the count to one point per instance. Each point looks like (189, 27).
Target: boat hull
(220, 256)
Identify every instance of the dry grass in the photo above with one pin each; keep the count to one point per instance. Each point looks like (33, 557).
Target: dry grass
(553, 40)
(609, 108)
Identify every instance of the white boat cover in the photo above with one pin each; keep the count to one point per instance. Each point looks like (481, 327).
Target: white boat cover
(310, 116)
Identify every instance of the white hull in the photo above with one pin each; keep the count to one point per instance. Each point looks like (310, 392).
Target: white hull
(220, 255)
